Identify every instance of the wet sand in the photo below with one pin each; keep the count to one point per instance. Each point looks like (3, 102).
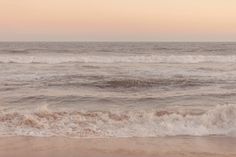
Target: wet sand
(118, 147)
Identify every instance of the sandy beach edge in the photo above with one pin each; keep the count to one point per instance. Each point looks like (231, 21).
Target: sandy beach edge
(116, 147)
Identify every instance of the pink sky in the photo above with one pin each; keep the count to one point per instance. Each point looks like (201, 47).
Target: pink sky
(118, 20)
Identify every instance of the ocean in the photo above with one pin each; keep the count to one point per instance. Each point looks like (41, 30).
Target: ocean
(117, 89)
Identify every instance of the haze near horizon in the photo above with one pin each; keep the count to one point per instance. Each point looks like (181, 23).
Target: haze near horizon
(123, 20)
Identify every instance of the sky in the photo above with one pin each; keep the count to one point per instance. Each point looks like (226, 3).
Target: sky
(117, 20)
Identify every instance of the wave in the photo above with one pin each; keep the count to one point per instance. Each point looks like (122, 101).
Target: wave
(147, 83)
(220, 120)
(56, 59)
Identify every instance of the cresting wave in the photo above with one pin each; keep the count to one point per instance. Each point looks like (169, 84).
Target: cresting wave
(220, 120)
(56, 59)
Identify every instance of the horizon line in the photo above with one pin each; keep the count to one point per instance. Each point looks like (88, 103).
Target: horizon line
(125, 41)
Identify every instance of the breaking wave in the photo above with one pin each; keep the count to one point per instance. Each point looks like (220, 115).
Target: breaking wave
(220, 120)
(56, 59)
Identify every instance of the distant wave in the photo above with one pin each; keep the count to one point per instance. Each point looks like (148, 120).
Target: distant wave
(220, 120)
(148, 83)
(56, 59)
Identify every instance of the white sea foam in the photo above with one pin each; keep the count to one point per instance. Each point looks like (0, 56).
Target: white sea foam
(55, 59)
(220, 120)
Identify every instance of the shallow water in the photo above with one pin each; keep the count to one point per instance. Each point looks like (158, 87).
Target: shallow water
(117, 89)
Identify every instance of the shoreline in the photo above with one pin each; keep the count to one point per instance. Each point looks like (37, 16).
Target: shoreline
(180, 146)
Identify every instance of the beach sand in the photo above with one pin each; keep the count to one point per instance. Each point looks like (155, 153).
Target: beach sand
(118, 147)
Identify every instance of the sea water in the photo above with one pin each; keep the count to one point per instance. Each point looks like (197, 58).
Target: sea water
(117, 89)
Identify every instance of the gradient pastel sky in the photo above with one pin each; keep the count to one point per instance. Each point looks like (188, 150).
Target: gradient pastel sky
(118, 20)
